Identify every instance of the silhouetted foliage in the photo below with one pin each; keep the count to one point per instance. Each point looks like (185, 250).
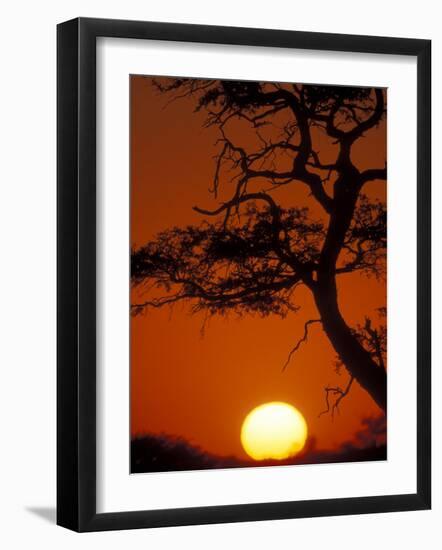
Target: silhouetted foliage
(255, 252)
(163, 453)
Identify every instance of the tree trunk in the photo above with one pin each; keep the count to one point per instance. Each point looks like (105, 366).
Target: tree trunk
(356, 359)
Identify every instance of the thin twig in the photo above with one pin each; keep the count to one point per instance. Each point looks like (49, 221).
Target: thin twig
(299, 342)
(335, 391)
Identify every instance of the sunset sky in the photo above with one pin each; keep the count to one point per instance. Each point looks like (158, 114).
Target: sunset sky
(202, 386)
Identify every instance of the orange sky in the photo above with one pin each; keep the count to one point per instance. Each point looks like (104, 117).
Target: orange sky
(202, 388)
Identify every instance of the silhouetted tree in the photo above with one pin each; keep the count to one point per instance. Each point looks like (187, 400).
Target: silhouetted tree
(255, 252)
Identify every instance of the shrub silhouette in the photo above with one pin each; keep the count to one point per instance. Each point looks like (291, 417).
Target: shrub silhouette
(164, 453)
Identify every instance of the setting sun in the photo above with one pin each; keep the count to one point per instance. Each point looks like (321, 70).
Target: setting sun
(273, 431)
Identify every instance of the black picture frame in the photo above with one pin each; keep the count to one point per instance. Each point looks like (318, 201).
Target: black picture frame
(76, 273)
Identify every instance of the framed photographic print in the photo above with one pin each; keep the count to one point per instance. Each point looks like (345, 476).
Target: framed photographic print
(243, 274)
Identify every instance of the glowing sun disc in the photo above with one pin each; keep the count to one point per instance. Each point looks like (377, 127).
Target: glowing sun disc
(273, 431)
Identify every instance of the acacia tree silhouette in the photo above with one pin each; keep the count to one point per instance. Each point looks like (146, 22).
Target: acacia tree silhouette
(254, 253)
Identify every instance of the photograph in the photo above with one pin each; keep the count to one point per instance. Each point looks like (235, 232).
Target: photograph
(258, 274)
(221, 216)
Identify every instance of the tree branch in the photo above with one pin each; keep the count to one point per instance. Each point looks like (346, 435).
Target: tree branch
(372, 120)
(300, 341)
(373, 174)
(285, 254)
(377, 344)
(160, 302)
(335, 391)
